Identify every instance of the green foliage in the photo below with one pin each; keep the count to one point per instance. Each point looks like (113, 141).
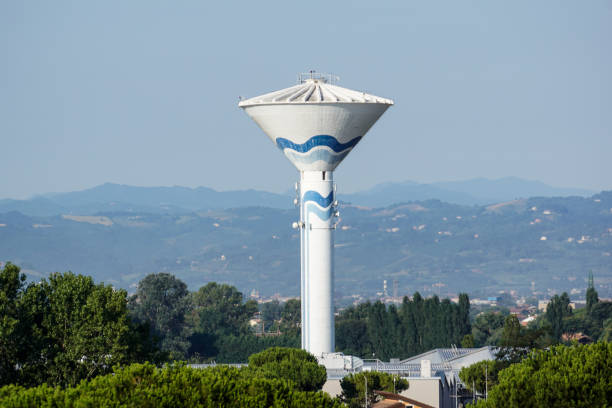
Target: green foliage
(220, 318)
(564, 376)
(606, 334)
(291, 318)
(354, 387)
(467, 341)
(557, 309)
(517, 341)
(481, 375)
(12, 332)
(591, 299)
(271, 314)
(295, 365)
(66, 329)
(220, 308)
(88, 326)
(487, 328)
(237, 349)
(559, 319)
(222, 333)
(600, 312)
(416, 326)
(511, 334)
(162, 301)
(143, 385)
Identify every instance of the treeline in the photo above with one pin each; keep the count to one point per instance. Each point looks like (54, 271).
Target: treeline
(559, 324)
(211, 324)
(560, 376)
(594, 321)
(66, 328)
(375, 330)
(277, 377)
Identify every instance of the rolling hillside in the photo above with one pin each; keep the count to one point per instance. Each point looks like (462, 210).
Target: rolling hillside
(430, 246)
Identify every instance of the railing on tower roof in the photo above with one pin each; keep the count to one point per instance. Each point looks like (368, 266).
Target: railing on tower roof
(319, 76)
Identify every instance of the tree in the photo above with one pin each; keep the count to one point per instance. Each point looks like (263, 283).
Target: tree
(591, 299)
(354, 387)
(271, 314)
(606, 334)
(295, 365)
(352, 337)
(487, 327)
(175, 385)
(220, 308)
(291, 317)
(517, 342)
(162, 301)
(467, 341)
(220, 317)
(417, 325)
(481, 375)
(87, 327)
(557, 309)
(511, 334)
(12, 283)
(66, 329)
(591, 294)
(238, 349)
(463, 321)
(564, 376)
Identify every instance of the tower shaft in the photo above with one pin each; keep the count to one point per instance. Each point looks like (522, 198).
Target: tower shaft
(317, 210)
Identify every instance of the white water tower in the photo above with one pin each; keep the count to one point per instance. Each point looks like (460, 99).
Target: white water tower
(316, 124)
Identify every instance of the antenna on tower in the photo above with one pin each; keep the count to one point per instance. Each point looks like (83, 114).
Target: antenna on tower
(591, 285)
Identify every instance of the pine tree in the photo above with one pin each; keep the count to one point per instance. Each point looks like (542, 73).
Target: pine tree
(591, 294)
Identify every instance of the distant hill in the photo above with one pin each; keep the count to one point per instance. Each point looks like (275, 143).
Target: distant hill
(171, 200)
(487, 191)
(429, 245)
(478, 191)
(118, 197)
(391, 193)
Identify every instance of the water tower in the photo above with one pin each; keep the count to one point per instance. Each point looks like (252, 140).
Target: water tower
(316, 124)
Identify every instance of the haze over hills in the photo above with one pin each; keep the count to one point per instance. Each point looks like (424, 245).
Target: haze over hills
(427, 245)
(480, 191)
(176, 199)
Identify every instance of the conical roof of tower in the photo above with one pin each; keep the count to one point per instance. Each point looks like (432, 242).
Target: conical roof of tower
(316, 91)
(315, 124)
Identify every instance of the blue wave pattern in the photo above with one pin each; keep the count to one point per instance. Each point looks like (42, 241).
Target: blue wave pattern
(317, 155)
(323, 202)
(313, 197)
(324, 215)
(316, 141)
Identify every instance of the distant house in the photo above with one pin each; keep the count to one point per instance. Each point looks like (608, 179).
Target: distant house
(527, 320)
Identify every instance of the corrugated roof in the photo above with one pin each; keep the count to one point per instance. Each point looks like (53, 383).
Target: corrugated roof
(314, 91)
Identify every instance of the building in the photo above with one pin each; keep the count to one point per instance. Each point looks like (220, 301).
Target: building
(433, 375)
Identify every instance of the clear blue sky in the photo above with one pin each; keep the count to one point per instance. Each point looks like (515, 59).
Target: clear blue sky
(145, 92)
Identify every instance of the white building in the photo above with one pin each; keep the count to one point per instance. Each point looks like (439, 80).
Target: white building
(433, 376)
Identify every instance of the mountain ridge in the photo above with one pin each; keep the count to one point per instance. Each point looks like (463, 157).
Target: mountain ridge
(552, 242)
(176, 199)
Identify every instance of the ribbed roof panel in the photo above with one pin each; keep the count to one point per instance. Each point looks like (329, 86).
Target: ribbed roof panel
(314, 91)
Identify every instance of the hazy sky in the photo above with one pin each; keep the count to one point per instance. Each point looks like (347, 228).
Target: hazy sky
(146, 92)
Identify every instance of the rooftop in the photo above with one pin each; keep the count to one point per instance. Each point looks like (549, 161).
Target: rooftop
(314, 88)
